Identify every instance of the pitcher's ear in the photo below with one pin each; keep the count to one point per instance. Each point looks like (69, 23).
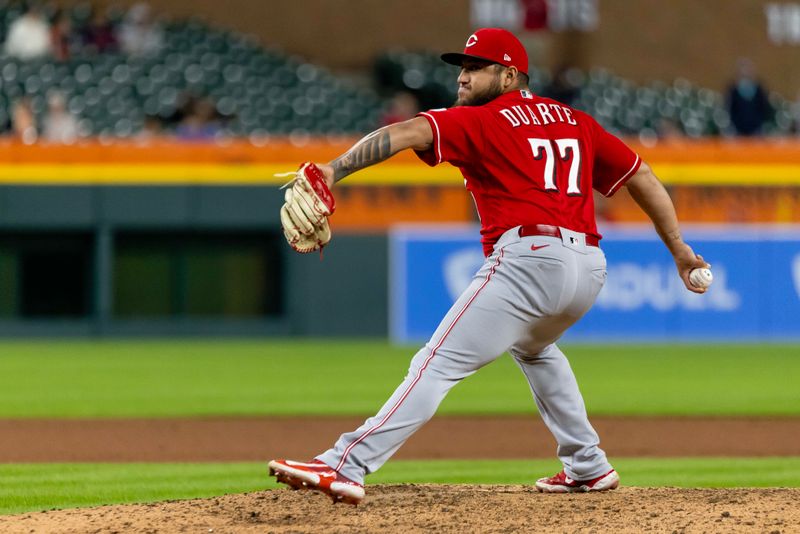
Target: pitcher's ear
(511, 74)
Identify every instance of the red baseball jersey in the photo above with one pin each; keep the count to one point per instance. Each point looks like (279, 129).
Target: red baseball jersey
(529, 160)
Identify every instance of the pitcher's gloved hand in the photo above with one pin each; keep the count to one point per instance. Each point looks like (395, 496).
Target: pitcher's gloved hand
(308, 204)
(301, 241)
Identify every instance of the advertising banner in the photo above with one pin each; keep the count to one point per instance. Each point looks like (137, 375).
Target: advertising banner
(755, 294)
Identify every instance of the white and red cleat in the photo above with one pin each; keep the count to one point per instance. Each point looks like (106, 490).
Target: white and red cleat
(561, 483)
(317, 476)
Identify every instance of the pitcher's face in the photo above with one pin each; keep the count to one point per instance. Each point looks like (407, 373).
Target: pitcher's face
(478, 82)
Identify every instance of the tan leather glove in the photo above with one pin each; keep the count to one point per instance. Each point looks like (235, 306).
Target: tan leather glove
(308, 204)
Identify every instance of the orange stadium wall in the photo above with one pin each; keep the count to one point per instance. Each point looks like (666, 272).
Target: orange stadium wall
(680, 38)
(711, 181)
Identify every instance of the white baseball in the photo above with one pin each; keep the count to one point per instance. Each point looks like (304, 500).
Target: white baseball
(701, 278)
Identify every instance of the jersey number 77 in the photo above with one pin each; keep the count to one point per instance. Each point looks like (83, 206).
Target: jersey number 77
(565, 150)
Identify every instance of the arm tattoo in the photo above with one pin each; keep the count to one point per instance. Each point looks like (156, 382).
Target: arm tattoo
(372, 149)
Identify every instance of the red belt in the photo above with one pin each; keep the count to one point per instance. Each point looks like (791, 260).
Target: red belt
(552, 231)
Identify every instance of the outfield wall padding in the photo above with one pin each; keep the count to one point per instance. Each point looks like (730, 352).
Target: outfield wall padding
(341, 293)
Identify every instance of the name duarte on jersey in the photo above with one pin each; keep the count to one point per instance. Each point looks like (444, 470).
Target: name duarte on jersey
(541, 114)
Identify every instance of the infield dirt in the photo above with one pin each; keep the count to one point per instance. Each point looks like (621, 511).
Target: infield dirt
(413, 508)
(264, 438)
(445, 509)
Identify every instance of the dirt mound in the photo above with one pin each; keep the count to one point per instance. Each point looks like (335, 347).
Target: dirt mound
(442, 508)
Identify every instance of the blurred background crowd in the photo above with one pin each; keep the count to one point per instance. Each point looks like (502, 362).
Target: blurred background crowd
(95, 71)
(113, 71)
(139, 144)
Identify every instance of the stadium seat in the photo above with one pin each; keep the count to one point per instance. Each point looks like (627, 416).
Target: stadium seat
(618, 104)
(261, 91)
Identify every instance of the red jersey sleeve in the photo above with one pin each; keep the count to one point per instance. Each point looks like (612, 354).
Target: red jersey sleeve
(457, 136)
(614, 162)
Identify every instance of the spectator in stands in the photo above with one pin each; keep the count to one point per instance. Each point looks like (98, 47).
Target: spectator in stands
(139, 34)
(201, 121)
(534, 33)
(404, 106)
(59, 125)
(747, 101)
(23, 121)
(63, 39)
(29, 36)
(152, 128)
(668, 129)
(565, 85)
(794, 110)
(98, 35)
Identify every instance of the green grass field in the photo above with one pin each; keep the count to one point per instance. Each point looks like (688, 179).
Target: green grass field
(29, 487)
(192, 378)
(71, 379)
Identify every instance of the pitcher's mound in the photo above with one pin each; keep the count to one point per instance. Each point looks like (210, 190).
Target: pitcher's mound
(443, 508)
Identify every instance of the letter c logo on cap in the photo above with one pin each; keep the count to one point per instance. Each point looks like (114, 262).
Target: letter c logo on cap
(472, 40)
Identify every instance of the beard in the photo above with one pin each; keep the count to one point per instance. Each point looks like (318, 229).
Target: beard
(484, 97)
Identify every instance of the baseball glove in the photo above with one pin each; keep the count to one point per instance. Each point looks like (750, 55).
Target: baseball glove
(308, 204)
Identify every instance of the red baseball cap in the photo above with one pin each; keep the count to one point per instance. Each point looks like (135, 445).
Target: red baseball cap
(492, 44)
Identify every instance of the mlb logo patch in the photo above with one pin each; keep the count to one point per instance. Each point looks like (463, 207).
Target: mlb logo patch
(506, 57)
(526, 94)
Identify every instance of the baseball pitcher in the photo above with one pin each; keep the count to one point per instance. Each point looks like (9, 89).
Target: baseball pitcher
(531, 164)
